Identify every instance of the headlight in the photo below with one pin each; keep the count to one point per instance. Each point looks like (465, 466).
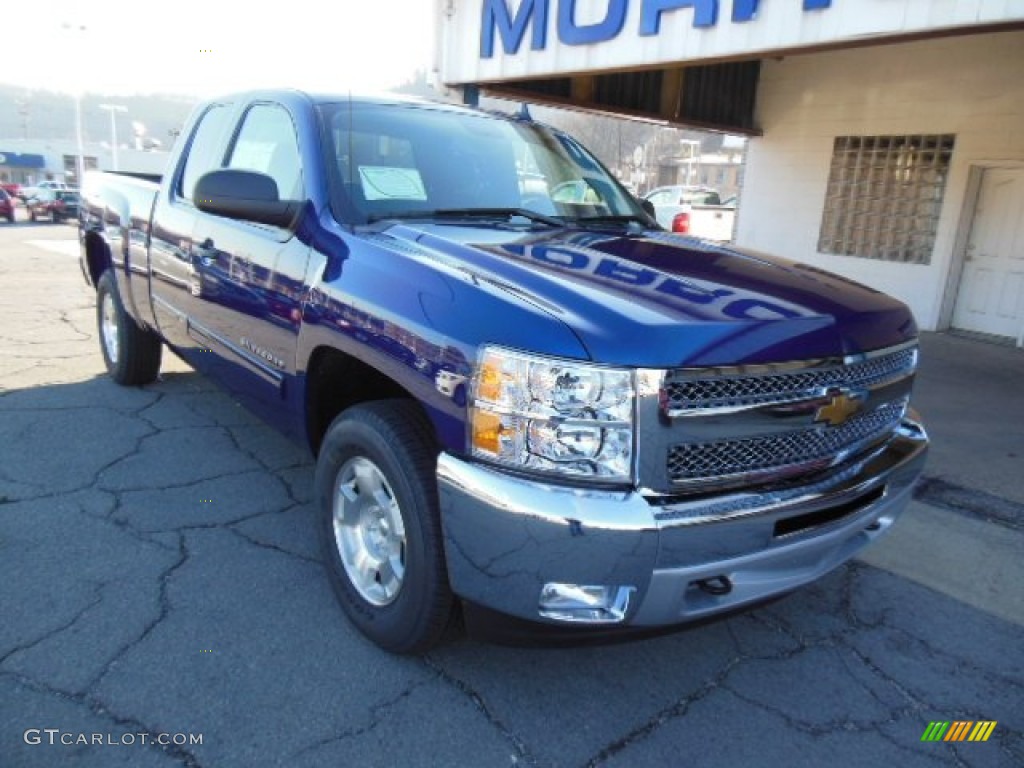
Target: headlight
(553, 415)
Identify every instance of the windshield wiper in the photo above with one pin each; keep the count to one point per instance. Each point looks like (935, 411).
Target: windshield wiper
(472, 213)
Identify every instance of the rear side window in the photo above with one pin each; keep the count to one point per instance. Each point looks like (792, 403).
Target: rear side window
(207, 149)
(701, 198)
(267, 143)
(664, 197)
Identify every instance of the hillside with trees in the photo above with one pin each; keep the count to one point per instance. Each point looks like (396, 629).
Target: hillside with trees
(43, 115)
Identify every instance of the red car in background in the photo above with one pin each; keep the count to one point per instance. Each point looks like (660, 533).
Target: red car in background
(12, 189)
(57, 205)
(6, 206)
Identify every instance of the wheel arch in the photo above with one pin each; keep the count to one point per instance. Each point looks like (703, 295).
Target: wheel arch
(97, 256)
(336, 380)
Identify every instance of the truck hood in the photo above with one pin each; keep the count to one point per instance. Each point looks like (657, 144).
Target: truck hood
(661, 300)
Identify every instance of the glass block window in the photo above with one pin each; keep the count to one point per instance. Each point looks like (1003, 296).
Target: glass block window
(884, 196)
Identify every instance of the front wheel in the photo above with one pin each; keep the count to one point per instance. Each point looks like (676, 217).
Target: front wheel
(380, 526)
(131, 354)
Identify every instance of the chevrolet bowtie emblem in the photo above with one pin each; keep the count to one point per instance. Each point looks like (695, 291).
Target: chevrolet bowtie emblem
(840, 408)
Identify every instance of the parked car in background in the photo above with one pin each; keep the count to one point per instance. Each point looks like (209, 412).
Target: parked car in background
(11, 188)
(27, 193)
(56, 205)
(696, 211)
(6, 206)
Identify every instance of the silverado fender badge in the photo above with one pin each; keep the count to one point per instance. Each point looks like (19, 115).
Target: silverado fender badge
(841, 406)
(262, 353)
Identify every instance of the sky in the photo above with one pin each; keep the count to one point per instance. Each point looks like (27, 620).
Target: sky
(207, 47)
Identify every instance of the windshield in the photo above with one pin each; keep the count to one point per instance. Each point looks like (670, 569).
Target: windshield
(406, 160)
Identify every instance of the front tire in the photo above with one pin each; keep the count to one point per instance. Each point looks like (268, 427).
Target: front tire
(380, 525)
(131, 354)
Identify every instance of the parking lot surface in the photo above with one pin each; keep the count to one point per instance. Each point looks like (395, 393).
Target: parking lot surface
(160, 580)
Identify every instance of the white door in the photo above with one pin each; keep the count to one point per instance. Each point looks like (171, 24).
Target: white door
(991, 297)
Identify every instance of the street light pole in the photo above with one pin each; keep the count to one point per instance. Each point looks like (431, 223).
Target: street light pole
(80, 159)
(113, 109)
(80, 156)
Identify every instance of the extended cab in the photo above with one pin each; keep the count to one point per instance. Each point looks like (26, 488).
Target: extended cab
(539, 407)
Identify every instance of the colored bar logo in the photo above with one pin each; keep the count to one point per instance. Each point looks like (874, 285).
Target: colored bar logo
(958, 730)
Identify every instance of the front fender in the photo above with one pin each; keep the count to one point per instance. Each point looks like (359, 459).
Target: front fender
(407, 313)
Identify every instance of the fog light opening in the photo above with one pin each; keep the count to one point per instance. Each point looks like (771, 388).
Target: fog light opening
(716, 585)
(585, 603)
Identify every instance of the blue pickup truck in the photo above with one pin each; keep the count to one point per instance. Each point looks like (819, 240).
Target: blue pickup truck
(528, 404)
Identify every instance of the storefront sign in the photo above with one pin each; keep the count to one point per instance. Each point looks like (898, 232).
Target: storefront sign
(499, 21)
(16, 160)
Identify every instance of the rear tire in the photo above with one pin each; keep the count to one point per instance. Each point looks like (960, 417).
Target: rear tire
(380, 526)
(131, 354)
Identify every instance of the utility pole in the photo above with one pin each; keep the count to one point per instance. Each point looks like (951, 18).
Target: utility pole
(113, 109)
(80, 160)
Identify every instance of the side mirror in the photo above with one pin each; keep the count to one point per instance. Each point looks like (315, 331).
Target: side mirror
(244, 195)
(648, 206)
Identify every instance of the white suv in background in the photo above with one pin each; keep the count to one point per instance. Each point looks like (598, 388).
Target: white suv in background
(27, 193)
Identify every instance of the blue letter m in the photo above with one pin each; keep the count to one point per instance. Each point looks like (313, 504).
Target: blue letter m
(497, 16)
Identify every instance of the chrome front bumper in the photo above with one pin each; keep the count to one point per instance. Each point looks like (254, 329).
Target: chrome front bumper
(506, 537)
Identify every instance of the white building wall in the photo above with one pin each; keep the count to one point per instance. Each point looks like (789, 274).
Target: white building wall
(972, 87)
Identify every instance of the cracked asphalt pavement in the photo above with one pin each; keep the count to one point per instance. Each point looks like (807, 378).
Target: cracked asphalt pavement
(159, 575)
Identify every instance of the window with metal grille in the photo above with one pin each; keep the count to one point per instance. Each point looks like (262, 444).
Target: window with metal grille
(884, 196)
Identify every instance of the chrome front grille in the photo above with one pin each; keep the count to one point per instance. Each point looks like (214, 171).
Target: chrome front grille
(698, 392)
(704, 429)
(805, 449)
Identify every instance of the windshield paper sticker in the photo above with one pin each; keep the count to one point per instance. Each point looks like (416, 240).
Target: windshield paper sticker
(388, 183)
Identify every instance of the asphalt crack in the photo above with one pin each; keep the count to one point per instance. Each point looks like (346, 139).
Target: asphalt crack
(672, 712)
(268, 545)
(377, 717)
(164, 609)
(97, 598)
(522, 753)
(98, 708)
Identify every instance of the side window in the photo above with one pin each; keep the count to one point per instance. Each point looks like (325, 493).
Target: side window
(206, 149)
(267, 143)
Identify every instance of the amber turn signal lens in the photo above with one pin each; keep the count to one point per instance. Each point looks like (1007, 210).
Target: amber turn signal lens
(487, 429)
